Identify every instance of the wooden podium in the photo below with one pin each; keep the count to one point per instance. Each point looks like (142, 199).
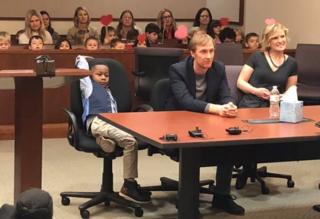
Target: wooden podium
(28, 125)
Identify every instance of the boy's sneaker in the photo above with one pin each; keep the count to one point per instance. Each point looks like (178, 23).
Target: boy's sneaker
(144, 191)
(132, 191)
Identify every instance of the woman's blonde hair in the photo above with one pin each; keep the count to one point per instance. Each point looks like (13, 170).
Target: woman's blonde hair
(76, 18)
(160, 16)
(27, 29)
(269, 31)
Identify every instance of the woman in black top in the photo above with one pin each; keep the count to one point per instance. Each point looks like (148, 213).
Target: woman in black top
(262, 71)
(268, 68)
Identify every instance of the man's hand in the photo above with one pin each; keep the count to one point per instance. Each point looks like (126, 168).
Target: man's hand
(225, 110)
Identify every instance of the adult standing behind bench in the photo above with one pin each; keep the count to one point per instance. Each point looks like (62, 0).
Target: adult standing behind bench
(199, 84)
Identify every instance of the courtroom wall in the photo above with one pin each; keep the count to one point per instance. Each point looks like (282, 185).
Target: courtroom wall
(65, 9)
(301, 17)
(142, 9)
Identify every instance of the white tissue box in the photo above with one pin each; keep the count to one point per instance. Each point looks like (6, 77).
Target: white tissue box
(291, 111)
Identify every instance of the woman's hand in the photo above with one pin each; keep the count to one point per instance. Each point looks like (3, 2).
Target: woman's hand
(263, 93)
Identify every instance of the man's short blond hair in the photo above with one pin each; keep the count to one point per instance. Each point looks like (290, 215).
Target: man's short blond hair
(200, 39)
(5, 36)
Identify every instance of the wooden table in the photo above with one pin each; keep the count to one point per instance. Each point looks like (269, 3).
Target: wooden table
(28, 125)
(265, 141)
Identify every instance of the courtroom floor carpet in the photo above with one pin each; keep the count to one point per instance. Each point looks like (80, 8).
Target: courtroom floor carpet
(67, 169)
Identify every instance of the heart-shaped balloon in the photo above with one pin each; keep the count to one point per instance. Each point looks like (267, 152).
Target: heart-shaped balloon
(106, 19)
(270, 21)
(181, 32)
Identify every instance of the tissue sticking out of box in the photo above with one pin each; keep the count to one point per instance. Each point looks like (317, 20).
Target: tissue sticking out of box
(291, 110)
(290, 95)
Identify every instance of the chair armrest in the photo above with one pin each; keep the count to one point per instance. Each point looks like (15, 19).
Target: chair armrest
(139, 73)
(73, 129)
(143, 108)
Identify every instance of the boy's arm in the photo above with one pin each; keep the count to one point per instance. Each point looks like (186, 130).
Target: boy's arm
(85, 83)
(81, 62)
(86, 87)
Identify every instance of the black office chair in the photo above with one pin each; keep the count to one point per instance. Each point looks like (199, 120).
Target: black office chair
(152, 64)
(159, 96)
(79, 139)
(254, 173)
(229, 53)
(308, 56)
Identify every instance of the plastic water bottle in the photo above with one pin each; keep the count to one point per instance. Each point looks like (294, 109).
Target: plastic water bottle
(274, 109)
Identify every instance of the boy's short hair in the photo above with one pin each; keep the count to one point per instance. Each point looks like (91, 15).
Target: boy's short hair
(132, 34)
(152, 28)
(114, 42)
(249, 35)
(91, 38)
(92, 62)
(36, 37)
(5, 36)
(229, 33)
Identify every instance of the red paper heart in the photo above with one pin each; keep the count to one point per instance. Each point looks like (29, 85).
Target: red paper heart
(142, 38)
(270, 21)
(224, 21)
(106, 19)
(181, 32)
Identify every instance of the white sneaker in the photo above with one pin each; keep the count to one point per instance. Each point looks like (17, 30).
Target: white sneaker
(106, 144)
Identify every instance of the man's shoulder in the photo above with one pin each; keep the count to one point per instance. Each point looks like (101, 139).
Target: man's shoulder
(218, 66)
(182, 65)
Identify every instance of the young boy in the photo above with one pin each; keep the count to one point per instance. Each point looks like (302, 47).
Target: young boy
(97, 98)
(227, 35)
(91, 43)
(152, 31)
(5, 41)
(117, 44)
(36, 42)
(252, 41)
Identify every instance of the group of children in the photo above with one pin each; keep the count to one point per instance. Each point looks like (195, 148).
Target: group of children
(109, 40)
